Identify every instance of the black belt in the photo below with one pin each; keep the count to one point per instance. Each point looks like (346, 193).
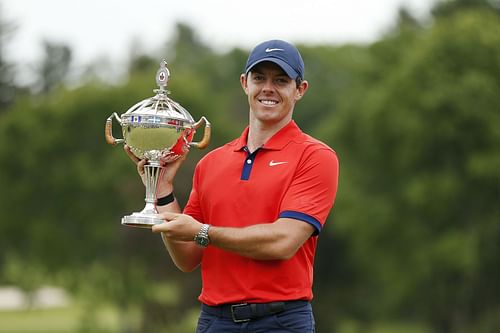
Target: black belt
(246, 312)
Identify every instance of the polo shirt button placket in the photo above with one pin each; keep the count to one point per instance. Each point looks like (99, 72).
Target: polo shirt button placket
(247, 165)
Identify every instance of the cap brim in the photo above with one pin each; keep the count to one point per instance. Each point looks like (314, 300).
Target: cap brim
(286, 67)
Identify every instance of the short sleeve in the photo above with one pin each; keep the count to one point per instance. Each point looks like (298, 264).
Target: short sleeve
(193, 207)
(312, 192)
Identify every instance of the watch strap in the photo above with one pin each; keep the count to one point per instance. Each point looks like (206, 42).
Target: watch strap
(201, 237)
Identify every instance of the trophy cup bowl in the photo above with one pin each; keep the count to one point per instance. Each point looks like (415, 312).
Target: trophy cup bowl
(160, 130)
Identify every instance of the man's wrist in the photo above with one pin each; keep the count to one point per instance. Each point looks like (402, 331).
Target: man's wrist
(201, 238)
(165, 200)
(164, 189)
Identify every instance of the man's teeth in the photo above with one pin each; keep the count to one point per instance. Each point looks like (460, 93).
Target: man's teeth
(264, 101)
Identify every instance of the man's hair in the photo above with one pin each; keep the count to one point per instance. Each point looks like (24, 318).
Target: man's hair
(298, 81)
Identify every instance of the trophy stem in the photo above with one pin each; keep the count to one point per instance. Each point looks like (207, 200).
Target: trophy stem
(149, 215)
(152, 172)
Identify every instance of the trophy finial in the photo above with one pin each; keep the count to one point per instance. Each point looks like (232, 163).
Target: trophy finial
(162, 75)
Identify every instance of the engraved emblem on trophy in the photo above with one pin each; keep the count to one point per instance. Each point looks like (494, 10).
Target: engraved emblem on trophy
(157, 129)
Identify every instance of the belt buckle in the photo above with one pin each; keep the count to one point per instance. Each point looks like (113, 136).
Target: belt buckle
(236, 320)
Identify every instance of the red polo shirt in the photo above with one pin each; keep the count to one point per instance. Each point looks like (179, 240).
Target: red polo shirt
(293, 176)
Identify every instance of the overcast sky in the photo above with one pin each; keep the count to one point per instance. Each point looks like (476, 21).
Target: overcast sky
(96, 28)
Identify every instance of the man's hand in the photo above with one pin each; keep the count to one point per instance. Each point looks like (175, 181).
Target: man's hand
(178, 227)
(165, 183)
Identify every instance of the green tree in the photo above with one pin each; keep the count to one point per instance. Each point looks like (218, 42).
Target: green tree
(54, 67)
(186, 46)
(7, 85)
(420, 160)
(449, 7)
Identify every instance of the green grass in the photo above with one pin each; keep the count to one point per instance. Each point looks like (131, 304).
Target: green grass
(59, 320)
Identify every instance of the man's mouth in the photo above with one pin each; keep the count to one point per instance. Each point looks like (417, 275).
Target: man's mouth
(268, 102)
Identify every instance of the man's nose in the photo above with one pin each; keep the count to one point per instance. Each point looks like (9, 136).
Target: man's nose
(268, 85)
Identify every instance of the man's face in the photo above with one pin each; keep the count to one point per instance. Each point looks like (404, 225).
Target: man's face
(271, 93)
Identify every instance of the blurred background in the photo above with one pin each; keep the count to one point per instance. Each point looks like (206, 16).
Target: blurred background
(410, 102)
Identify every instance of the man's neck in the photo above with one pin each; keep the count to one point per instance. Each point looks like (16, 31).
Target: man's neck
(259, 133)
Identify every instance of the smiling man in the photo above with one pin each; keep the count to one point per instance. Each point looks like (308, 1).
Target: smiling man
(256, 208)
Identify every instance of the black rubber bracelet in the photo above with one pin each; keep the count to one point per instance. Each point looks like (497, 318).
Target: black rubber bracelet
(163, 201)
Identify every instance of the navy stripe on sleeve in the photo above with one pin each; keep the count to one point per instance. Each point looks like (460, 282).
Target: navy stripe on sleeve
(303, 217)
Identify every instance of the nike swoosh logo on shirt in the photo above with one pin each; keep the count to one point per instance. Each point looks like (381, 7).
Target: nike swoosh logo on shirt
(272, 163)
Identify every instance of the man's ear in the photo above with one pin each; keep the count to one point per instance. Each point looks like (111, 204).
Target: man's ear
(244, 83)
(301, 89)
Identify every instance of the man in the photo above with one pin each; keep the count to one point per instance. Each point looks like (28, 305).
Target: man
(256, 208)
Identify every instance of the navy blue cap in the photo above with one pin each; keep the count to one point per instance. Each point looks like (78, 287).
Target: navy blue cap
(281, 53)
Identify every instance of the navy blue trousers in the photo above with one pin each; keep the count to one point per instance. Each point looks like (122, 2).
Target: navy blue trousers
(297, 320)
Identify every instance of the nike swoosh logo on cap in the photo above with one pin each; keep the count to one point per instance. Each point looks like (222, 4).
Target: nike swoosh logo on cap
(272, 163)
(272, 50)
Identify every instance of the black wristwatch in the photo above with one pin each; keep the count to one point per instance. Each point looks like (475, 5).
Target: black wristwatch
(201, 237)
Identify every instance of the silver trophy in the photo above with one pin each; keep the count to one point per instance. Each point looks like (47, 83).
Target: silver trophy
(157, 129)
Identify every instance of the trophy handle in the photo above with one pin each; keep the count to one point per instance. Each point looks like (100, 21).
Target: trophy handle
(108, 130)
(206, 134)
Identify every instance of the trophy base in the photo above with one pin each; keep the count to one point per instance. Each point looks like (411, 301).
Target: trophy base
(141, 220)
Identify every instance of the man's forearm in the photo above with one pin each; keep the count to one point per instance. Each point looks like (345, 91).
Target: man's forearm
(185, 255)
(269, 241)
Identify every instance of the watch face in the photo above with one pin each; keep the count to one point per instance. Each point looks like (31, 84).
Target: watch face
(202, 241)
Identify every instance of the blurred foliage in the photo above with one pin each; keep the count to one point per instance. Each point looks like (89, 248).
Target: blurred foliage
(7, 87)
(414, 235)
(54, 67)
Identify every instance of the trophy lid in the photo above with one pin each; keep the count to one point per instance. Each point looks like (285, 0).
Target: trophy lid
(161, 106)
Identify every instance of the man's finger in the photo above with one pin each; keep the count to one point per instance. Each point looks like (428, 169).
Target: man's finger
(140, 166)
(169, 216)
(170, 159)
(134, 158)
(157, 228)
